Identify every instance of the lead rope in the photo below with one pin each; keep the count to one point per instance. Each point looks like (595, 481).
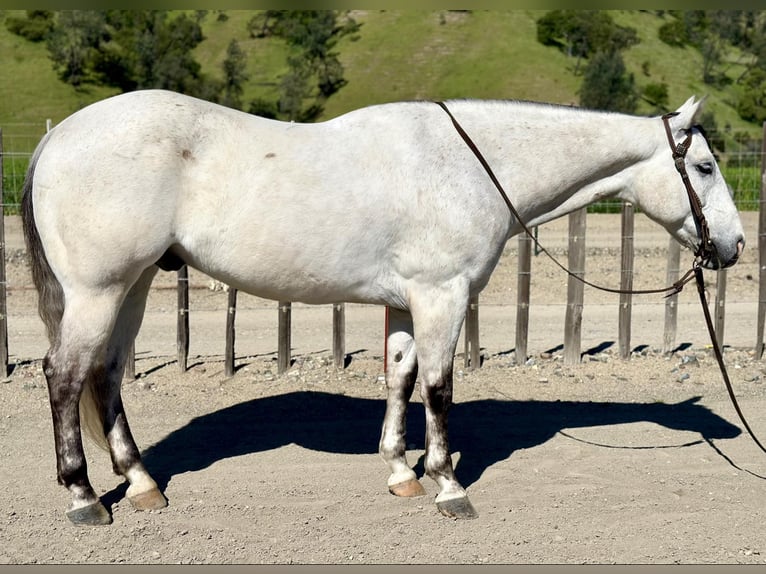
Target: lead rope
(704, 250)
(719, 355)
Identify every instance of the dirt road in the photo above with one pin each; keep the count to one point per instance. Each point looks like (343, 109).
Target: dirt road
(628, 461)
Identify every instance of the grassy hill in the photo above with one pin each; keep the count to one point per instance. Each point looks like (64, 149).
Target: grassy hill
(399, 55)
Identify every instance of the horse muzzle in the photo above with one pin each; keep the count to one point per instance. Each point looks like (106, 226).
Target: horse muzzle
(712, 258)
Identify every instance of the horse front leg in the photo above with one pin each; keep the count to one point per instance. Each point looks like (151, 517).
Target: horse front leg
(436, 392)
(437, 328)
(401, 372)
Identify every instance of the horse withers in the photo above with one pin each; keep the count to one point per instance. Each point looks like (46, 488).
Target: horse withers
(384, 205)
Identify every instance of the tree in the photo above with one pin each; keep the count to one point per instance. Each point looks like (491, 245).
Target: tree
(751, 105)
(73, 44)
(234, 75)
(673, 33)
(151, 49)
(315, 72)
(582, 33)
(35, 27)
(129, 49)
(657, 95)
(606, 84)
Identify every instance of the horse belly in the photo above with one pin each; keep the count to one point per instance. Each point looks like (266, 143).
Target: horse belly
(293, 257)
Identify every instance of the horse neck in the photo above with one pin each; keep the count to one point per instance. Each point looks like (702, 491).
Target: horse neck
(555, 159)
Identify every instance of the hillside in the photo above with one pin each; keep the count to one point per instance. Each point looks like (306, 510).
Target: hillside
(399, 55)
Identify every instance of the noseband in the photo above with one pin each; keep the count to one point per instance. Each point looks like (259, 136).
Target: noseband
(705, 250)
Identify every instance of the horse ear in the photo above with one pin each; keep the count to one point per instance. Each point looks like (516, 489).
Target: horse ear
(686, 116)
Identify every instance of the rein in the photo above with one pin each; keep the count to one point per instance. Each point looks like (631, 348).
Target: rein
(705, 250)
(673, 289)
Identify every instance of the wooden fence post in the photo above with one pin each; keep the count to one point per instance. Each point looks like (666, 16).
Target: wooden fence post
(761, 251)
(339, 335)
(575, 288)
(230, 316)
(626, 280)
(472, 357)
(284, 336)
(130, 363)
(671, 302)
(3, 286)
(522, 297)
(182, 331)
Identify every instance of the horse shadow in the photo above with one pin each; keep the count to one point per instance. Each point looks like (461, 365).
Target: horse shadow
(483, 431)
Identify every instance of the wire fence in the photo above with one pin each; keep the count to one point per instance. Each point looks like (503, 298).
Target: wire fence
(19, 142)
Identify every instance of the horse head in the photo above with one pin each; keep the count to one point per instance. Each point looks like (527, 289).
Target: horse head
(668, 182)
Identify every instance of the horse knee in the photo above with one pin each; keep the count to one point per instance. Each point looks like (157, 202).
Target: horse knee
(436, 392)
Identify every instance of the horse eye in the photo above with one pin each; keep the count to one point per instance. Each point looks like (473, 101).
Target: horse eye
(705, 168)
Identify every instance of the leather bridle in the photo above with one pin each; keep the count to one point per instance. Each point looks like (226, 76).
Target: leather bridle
(705, 250)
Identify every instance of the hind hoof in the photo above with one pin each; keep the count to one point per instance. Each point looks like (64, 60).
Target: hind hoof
(409, 489)
(149, 500)
(92, 515)
(457, 508)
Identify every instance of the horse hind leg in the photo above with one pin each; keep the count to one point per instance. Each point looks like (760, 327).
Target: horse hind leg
(105, 412)
(401, 373)
(74, 361)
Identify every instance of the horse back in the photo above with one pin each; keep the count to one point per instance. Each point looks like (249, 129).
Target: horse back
(349, 209)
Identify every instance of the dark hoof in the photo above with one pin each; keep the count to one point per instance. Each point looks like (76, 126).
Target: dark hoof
(457, 508)
(92, 515)
(409, 489)
(149, 500)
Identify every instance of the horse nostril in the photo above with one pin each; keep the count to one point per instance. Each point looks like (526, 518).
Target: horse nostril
(740, 247)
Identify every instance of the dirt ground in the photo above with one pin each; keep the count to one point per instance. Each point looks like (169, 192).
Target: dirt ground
(608, 461)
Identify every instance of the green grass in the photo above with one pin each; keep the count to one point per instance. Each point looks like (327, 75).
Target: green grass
(400, 55)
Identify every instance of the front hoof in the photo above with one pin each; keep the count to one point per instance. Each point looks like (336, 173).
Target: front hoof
(92, 515)
(149, 500)
(409, 488)
(459, 507)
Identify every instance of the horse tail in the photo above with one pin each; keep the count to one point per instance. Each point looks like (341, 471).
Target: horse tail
(50, 294)
(51, 302)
